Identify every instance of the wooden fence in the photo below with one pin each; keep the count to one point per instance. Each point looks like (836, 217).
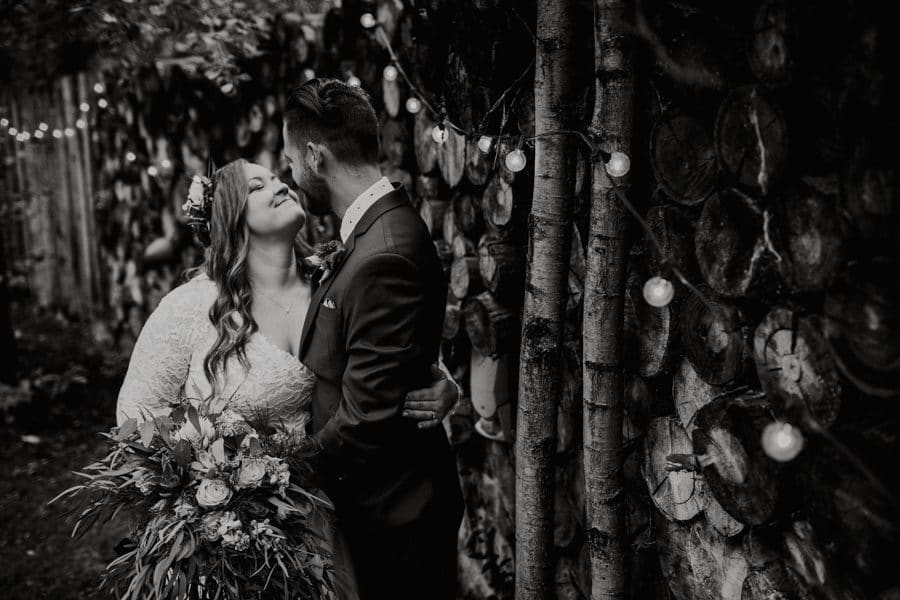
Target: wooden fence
(47, 204)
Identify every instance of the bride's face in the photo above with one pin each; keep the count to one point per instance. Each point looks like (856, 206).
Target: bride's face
(272, 208)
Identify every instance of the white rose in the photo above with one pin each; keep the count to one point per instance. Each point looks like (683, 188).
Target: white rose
(213, 493)
(251, 472)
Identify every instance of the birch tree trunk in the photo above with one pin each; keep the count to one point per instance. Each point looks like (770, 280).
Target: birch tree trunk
(604, 294)
(540, 373)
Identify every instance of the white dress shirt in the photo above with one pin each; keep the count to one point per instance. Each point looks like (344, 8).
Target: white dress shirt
(363, 203)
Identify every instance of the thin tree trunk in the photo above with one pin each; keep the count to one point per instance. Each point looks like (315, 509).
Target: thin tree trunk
(604, 295)
(540, 372)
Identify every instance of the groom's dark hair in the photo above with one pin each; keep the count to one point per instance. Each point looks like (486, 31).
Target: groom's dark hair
(336, 114)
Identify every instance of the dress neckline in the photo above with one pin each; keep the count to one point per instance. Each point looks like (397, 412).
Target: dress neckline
(278, 348)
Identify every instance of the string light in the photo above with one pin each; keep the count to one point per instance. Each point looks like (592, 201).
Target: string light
(57, 133)
(80, 123)
(413, 105)
(102, 103)
(98, 88)
(354, 81)
(4, 122)
(130, 156)
(484, 143)
(439, 134)
(38, 134)
(658, 291)
(13, 131)
(152, 171)
(69, 132)
(618, 164)
(367, 20)
(85, 107)
(166, 163)
(782, 441)
(25, 136)
(390, 73)
(515, 160)
(43, 127)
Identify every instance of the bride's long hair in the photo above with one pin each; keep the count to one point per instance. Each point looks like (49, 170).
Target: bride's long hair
(225, 265)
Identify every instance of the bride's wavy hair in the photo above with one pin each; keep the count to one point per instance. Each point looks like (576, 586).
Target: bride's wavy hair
(225, 263)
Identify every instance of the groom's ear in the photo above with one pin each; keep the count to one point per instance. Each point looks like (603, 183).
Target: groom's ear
(315, 157)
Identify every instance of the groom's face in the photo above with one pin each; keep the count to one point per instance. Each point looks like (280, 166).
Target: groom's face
(306, 173)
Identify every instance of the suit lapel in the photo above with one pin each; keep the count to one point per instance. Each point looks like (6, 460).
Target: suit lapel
(387, 202)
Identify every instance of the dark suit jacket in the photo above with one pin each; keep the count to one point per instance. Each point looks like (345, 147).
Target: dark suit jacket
(377, 343)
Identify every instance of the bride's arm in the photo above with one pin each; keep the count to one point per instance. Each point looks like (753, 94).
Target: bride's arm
(161, 359)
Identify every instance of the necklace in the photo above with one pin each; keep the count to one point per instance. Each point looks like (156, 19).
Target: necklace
(287, 309)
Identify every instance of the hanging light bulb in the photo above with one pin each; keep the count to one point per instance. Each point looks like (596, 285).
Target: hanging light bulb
(85, 107)
(130, 156)
(618, 164)
(390, 73)
(166, 163)
(308, 74)
(4, 122)
(80, 123)
(152, 171)
(43, 127)
(782, 441)
(658, 291)
(98, 88)
(102, 103)
(354, 81)
(13, 131)
(57, 133)
(367, 20)
(413, 105)
(20, 138)
(484, 143)
(38, 134)
(25, 136)
(69, 132)
(515, 160)
(440, 134)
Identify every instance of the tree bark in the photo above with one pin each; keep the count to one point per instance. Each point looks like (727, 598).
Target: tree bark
(540, 371)
(604, 295)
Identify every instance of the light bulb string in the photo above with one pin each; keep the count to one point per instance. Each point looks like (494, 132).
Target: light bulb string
(591, 144)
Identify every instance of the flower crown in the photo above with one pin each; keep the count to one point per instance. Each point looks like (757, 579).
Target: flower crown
(198, 206)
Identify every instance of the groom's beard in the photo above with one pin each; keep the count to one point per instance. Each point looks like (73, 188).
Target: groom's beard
(318, 196)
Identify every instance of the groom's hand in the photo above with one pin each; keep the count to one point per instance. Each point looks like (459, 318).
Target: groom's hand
(430, 405)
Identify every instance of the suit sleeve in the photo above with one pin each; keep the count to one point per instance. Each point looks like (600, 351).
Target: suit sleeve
(382, 308)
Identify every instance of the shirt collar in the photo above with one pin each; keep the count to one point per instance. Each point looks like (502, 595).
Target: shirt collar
(363, 203)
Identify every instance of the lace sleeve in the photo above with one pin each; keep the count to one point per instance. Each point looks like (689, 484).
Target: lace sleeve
(162, 355)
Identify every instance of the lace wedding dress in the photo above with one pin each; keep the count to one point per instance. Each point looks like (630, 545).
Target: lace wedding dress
(168, 360)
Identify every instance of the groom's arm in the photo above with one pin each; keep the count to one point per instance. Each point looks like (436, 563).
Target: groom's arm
(383, 305)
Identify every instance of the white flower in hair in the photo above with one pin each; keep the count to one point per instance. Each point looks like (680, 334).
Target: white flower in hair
(196, 193)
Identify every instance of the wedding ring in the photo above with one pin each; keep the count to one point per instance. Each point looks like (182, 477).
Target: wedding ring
(433, 415)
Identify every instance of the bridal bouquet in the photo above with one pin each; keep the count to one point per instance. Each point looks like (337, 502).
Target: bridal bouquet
(220, 508)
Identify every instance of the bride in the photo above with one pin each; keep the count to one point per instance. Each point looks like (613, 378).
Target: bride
(232, 332)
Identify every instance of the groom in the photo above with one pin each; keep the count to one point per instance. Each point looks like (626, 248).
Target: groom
(371, 334)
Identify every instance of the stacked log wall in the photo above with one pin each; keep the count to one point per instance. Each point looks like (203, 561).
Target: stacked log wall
(763, 164)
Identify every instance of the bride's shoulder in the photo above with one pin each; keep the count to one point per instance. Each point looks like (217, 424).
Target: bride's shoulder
(196, 294)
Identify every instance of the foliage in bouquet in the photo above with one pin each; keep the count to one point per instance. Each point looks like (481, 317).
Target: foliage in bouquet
(221, 508)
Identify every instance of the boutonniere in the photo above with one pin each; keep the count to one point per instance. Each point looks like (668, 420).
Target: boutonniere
(327, 257)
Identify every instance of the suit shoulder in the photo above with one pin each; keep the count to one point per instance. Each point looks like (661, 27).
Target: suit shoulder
(404, 232)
